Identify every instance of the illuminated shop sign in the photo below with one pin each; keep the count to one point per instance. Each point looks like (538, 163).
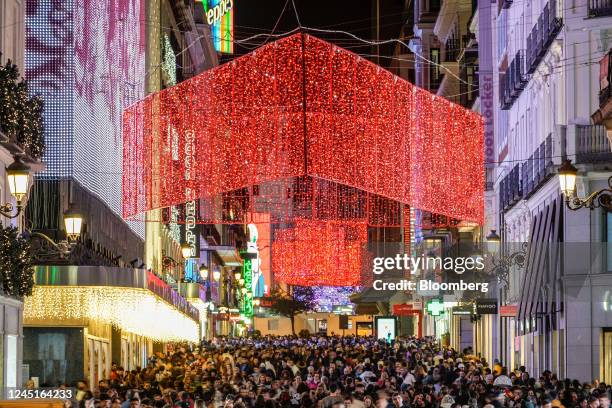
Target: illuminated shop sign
(247, 275)
(219, 14)
(215, 13)
(486, 306)
(191, 233)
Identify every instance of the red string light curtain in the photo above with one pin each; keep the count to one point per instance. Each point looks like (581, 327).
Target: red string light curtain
(302, 128)
(314, 253)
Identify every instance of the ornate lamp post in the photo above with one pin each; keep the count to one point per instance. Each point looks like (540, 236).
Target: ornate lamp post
(187, 250)
(45, 247)
(503, 264)
(567, 182)
(203, 273)
(18, 175)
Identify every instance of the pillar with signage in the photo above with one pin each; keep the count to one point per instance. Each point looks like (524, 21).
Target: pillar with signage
(411, 318)
(485, 332)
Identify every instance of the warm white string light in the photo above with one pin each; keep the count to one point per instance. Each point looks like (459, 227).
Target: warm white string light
(136, 311)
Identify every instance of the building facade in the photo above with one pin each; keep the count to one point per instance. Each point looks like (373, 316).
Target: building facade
(12, 41)
(546, 82)
(538, 72)
(68, 63)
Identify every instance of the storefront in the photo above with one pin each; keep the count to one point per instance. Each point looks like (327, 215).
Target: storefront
(81, 319)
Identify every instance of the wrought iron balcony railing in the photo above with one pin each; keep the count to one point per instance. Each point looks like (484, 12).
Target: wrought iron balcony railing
(451, 50)
(542, 35)
(525, 178)
(587, 143)
(514, 80)
(592, 145)
(599, 8)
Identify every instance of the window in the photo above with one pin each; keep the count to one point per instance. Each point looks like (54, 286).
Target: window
(434, 6)
(272, 324)
(434, 69)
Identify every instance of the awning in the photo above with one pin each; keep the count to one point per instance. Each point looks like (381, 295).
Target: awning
(366, 309)
(371, 301)
(228, 254)
(541, 269)
(371, 295)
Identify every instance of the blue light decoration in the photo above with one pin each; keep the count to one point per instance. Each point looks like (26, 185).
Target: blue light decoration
(191, 270)
(326, 297)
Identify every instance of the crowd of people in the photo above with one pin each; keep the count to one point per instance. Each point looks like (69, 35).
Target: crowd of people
(333, 372)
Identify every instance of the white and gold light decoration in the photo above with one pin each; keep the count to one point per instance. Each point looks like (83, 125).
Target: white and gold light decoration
(137, 311)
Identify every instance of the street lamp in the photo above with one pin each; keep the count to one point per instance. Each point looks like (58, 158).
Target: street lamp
(73, 221)
(216, 275)
(237, 275)
(567, 182)
(502, 266)
(18, 175)
(45, 247)
(203, 272)
(186, 249)
(495, 240)
(241, 281)
(243, 290)
(567, 178)
(493, 236)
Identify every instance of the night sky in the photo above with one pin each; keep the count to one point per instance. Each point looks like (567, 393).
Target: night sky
(356, 16)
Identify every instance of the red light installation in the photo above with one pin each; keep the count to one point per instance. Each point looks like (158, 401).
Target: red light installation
(300, 128)
(314, 253)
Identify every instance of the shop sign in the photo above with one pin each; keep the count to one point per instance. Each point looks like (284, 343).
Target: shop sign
(435, 307)
(219, 14)
(416, 305)
(216, 12)
(486, 306)
(462, 310)
(508, 310)
(406, 309)
(342, 309)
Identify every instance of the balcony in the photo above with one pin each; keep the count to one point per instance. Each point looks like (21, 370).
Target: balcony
(603, 115)
(451, 50)
(514, 81)
(592, 145)
(542, 35)
(469, 49)
(588, 144)
(527, 177)
(599, 8)
(511, 190)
